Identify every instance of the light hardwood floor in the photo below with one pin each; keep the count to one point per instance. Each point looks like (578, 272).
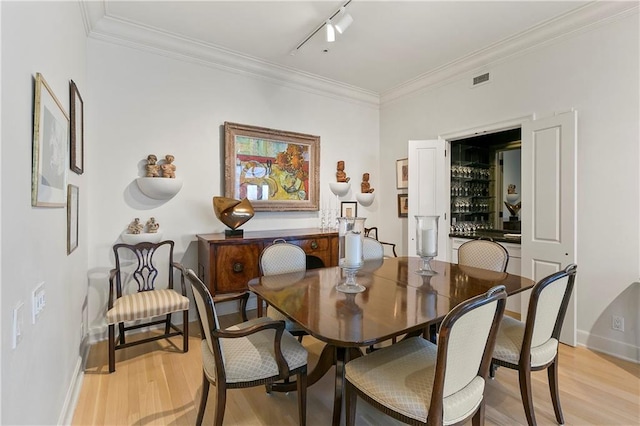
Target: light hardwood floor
(157, 384)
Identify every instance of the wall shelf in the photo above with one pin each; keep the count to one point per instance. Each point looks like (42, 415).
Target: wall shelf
(159, 188)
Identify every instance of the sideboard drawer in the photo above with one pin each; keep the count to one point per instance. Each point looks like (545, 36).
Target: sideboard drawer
(235, 265)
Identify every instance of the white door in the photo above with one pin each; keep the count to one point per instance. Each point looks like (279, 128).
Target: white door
(428, 190)
(549, 204)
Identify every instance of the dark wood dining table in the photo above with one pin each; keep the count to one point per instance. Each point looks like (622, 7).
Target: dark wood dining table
(397, 301)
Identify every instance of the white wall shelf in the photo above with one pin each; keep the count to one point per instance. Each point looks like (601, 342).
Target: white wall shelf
(159, 188)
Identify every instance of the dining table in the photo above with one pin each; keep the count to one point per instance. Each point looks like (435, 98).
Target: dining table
(397, 301)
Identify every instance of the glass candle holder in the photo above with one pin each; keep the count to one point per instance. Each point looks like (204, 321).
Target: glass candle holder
(426, 242)
(350, 257)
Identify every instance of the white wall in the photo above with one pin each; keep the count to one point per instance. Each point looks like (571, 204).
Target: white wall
(37, 375)
(595, 72)
(158, 105)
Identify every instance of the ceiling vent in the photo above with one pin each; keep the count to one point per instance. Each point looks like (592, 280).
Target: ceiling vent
(480, 79)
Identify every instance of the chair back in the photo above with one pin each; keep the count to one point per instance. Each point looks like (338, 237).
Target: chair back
(141, 263)
(465, 346)
(281, 258)
(547, 308)
(483, 254)
(371, 249)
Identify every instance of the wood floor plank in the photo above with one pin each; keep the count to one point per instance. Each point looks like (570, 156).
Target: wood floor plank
(157, 384)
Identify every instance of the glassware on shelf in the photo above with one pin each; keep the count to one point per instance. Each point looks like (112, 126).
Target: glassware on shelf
(426, 242)
(350, 256)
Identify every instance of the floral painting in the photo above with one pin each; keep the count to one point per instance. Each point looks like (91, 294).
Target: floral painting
(274, 169)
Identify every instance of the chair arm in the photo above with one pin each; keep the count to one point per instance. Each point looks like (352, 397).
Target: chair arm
(393, 247)
(183, 272)
(278, 326)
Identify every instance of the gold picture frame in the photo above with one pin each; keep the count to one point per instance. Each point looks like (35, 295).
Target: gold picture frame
(276, 170)
(402, 173)
(50, 148)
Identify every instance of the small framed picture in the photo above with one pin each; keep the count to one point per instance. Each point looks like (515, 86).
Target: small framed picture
(72, 218)
(402, 173)
(77, 129)
(349, 209)
(403, 205)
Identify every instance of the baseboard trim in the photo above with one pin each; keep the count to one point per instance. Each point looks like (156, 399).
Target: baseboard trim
(71, 399)
(608, 346)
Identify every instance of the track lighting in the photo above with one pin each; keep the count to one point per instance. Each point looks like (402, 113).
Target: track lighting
(331, 32)
(344, 20)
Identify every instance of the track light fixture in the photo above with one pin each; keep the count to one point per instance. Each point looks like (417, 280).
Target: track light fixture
(344, 20)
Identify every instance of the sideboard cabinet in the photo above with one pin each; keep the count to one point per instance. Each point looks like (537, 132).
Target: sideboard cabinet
(227, 264)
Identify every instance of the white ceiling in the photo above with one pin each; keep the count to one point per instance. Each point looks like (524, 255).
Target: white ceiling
(389, 43)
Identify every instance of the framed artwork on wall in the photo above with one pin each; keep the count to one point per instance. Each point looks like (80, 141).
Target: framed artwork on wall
(275, 170)
(50, 148)
(403, 205)
(349, 209)
(77, 129)
(402, 173)
(72, 218)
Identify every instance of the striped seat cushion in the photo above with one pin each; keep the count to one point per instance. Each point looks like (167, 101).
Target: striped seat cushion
(146, 304)
(509, 342)
(252, 358)
(401, 377)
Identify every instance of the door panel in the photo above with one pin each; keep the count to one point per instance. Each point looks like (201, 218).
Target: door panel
(549, 204)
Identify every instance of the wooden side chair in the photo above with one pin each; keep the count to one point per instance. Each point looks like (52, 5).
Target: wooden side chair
(420, 383)
(533, 345)
(373, 233)
(283, 258)
(252, 353)
(139, 266)
(483, 254)
(372, 249)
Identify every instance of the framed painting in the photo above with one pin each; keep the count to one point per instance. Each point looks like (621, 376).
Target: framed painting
(403, 205)
(275, 170)
(349, 209)
(77, 129)
(50, 148)
(402, 173)
(72, 218)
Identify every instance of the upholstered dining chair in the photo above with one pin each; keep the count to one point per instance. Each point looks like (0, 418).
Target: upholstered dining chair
(421, 383)
(255, 352)
(533, 345)
(373, 233)
(283, 258)
(136, 296)
(483, 254)
(372, 249)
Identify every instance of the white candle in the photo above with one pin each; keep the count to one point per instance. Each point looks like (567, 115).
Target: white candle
(429, 242)
(352, 249)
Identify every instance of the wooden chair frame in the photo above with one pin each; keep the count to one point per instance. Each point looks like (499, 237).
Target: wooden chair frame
(373, 233)
(436, 409)
(145, 276)
(524, 363)
(216, 334)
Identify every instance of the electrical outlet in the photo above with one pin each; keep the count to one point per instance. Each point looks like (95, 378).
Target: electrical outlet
(16, 335)
(617, 322)
(38, 302)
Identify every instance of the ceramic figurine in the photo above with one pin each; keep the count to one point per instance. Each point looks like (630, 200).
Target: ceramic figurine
(152, 226)
(135, 227)
(168, 169)
(365, 186)
(153, 169)
(341, 176)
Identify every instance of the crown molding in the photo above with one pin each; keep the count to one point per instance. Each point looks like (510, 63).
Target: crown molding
(589, 16)
(160, 42)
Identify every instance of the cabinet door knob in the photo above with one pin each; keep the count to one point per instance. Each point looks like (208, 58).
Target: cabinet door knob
(238, 267)
(314, 245)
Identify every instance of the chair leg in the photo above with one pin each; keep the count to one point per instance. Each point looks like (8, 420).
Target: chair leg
(301, 382)
(221, 401)
(112, 348)
(203, 399)
(492, 370)
(525, 392)
(167, 324)
(185, 331)
(121, 328)
(478, 417)
(351, 399)
(552, 374)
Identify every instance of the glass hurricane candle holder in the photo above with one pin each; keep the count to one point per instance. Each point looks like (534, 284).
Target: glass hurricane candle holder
(350, 240)
(426, 242)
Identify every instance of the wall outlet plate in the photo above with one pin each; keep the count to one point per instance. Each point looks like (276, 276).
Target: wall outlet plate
(617, 322)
